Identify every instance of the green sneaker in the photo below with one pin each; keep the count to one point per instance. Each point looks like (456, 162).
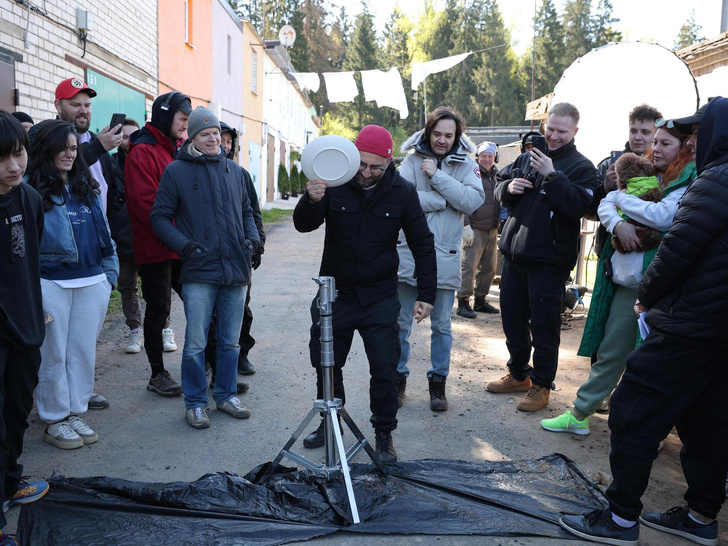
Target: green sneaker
(567, 423)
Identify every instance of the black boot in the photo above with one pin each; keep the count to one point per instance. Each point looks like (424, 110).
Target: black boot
(401, 387)
(316, 438)
(384, 447)
(464, 309)
(482, 306)
(438, 402)
(244, 366)
(241, 388)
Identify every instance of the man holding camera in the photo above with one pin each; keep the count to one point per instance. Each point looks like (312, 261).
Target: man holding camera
(548, 191)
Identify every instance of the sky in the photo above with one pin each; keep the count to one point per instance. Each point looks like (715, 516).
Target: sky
(647, 20)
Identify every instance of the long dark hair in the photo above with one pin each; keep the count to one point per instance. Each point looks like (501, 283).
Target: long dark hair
(13, 136)
(52, 139)
(445, 112)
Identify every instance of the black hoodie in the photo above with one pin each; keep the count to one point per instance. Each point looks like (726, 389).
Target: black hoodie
(21, 302)
(685, 287)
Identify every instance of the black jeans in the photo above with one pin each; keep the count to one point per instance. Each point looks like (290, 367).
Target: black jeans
(377, 326)
(158, 280)
(531, 298)
(19, 372)
(667, 383)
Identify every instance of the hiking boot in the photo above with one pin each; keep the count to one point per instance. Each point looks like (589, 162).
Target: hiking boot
(168, 343)
(599, 526)
(240, 388)
(197, 417)
(97, 402)
(317, 438)
(508, 383)
(244, 366)
(164, 385)
(676, 521)
(438, 402)
(26, 493)
(136, 342)
(384, 447)
(234, 408)
(566, 422)
(482, 306)
(82, 429)
(401, 388)
(62, 436)
(464, 309)
(536, 398)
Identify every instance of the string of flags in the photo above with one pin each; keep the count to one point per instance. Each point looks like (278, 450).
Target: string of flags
(383, 87)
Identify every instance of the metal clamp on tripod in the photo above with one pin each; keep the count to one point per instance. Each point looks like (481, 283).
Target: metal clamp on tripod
(337, 458)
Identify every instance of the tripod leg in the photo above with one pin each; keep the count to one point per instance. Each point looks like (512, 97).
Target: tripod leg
(344, 466)
(289, 444)
(359, 436)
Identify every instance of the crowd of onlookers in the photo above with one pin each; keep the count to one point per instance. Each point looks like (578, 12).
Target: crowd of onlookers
(173, 209)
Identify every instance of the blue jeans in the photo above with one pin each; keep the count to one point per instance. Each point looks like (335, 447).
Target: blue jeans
(441, 339)
(199, 300)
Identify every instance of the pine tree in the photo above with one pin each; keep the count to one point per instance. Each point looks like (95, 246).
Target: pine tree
(396, 53)
(578, 39)
(689, 33)
(300, 53)
(602, 21)
(550, 56)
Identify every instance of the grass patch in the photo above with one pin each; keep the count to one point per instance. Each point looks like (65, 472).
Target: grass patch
(273, 216)
(114, 305)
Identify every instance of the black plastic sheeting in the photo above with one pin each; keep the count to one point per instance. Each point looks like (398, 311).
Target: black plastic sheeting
(432, 497)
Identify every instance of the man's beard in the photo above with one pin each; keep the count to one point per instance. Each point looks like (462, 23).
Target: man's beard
(367, 182)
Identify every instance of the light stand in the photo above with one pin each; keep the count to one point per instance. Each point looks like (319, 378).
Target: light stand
(337, 458)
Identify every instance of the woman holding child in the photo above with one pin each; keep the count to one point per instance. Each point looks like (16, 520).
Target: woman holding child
(611, 331)
(79, 267)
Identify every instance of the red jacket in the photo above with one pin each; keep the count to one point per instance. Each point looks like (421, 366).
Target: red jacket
(150, 151)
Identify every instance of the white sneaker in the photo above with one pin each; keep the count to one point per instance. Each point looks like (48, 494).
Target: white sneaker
(82, 429)
(136, 342)
(62, 436)
(168, 340)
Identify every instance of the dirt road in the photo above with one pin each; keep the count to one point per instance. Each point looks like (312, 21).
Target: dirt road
(145, 437)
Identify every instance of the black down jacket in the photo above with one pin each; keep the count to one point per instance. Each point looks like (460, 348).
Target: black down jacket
(686, 286)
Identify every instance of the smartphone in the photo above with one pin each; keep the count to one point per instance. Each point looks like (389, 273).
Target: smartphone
(614, 156)
(539, 142)
(116, 119)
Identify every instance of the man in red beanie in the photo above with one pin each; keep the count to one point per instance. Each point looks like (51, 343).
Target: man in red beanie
(363, 220)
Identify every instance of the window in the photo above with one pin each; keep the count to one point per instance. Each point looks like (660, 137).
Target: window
(254, 72)
(229, 55)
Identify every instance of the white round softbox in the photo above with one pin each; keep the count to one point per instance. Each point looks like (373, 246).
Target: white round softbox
(608, 82)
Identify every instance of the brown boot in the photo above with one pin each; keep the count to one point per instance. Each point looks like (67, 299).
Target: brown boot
(536, 398)
(508, 383)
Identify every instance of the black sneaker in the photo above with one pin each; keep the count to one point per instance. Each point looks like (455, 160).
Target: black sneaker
(240, 388)
(385, 447)
(244, 366)
(676, 521)
(598, 526)
(316, 438)
(164, 385)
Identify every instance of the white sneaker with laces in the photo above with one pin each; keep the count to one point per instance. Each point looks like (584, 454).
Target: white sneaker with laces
(62, 436)
(82, 429)
(168, 340)
(136, 342)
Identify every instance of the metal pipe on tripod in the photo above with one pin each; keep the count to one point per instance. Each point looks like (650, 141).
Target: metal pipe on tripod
(327, 295)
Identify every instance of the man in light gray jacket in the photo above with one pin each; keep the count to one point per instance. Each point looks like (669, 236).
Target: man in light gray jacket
(448, 185)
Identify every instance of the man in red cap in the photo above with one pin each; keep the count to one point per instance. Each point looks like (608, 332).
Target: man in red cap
(363, 221)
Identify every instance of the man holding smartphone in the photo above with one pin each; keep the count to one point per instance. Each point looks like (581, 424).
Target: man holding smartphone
(540, 242)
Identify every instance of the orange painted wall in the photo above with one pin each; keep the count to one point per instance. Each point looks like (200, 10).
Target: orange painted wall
(186, 67)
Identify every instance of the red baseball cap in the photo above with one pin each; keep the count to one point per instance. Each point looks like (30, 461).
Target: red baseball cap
(375, 140)
(71, 87)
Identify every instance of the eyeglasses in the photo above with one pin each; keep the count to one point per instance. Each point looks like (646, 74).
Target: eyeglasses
(670, 124)
(373, 168)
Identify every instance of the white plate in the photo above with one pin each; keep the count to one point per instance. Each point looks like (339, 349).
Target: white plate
(332, 158)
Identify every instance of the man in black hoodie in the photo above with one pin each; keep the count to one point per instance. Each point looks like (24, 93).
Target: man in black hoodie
(677, 376)
(547, 194)
(21, 310)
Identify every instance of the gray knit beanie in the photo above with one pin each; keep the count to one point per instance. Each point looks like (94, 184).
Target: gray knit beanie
(201, 118)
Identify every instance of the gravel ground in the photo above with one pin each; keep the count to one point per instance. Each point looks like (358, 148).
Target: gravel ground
(145, 437)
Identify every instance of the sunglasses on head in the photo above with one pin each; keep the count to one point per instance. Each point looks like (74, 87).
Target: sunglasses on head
(662, 122)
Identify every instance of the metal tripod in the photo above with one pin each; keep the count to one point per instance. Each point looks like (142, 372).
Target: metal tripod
(337, 458)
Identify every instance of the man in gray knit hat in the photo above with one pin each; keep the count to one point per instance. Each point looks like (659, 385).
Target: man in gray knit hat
(201, 208)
